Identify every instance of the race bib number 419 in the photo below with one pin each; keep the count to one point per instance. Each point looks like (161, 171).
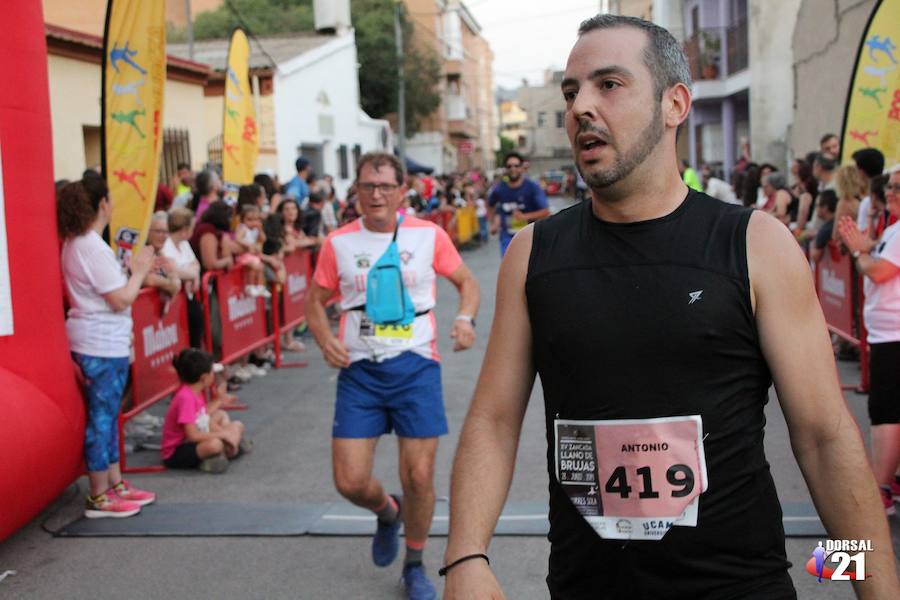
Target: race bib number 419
(633, 478)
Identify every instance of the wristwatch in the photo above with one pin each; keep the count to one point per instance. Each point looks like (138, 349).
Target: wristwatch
(466, 318)
(856, 253)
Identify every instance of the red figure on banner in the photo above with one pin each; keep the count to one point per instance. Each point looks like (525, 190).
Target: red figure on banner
(249, 129)
(131, 179)
(862, 136)
(230, 148)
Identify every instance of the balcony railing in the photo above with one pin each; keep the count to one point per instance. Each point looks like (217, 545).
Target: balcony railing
(718, 51)
(738, 48)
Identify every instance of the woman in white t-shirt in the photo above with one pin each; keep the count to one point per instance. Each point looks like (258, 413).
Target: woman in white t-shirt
(99, 325)
(879, 262)
(178, 249)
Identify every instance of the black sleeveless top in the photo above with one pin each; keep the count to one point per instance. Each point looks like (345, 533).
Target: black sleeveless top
(618, 334)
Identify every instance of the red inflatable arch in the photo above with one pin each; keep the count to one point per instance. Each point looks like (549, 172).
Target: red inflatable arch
(41, 410)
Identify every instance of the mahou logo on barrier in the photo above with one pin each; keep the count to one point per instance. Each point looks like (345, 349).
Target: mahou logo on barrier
(159, 338)
(832, 285)
(240, 307)
(297, 265)
(160, 331)
(243, 316)
(296, 284)
(834, 276)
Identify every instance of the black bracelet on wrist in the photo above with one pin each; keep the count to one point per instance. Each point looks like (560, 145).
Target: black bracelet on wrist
(443, 570)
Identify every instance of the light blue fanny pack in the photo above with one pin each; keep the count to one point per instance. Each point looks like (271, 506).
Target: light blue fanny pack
(387, 301)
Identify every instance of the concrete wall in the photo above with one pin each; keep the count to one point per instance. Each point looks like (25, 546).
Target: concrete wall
(771, 27)
(547, 145)
(825, 42)
(317, 103)
(427, 148)
(89, 15)
(75, 105)
(184, 107)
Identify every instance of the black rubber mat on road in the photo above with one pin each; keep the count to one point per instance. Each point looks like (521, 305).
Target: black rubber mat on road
(210, 519)
(203, 519)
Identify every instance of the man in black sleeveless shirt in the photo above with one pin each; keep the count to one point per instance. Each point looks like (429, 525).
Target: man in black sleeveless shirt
(657, 318)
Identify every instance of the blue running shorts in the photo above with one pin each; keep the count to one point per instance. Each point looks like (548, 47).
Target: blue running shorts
(401, 394)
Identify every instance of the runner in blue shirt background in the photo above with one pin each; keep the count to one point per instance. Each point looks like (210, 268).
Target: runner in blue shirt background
(517, 199)
(297, 188)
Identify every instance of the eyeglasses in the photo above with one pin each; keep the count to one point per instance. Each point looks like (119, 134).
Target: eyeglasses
(514, 166)
(892, 187)
(153, 230)
(384, 188)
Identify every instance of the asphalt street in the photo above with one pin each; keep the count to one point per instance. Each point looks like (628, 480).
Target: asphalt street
(290, 418)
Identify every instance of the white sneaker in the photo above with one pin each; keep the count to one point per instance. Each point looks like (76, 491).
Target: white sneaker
(147, 420)
(251, 291)
(243, 374)
(263, 292)
(257, 371)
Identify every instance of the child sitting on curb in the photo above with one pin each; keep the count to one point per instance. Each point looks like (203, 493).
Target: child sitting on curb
(197, 435)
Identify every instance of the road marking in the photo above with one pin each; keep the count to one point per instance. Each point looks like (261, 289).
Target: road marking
(436, 518)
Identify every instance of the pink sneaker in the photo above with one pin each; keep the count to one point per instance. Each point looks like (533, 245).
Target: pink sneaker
(126, 491)
(887, 501)
(110, 506)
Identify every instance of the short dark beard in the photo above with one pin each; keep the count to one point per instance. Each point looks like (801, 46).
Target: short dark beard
(625, 164)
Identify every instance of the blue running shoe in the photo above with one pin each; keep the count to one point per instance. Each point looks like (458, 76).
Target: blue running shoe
(417, 584)
(386, 543)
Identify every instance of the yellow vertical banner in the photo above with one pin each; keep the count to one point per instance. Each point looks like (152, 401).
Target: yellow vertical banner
(872, 115)
(240, 133)
(134, 75)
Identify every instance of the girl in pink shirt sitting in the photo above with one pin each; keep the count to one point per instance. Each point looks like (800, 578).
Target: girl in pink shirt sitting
(197, 435)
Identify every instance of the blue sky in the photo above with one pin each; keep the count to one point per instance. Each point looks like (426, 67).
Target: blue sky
(528, 36)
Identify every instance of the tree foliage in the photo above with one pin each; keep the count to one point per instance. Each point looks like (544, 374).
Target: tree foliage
(373, 21)
(378, 74)
(262, 17)
(506, 146)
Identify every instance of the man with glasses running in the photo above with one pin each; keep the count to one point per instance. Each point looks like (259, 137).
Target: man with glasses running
(390, 376)
(517, 199)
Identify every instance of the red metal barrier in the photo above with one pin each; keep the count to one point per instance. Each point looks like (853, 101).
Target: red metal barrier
(242, 317)
(440, 218)
(160, 332)
(289, 300)
(834, 285)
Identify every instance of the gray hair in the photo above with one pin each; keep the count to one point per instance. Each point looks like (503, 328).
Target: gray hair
(776, 179)
(663, 55)
(160, 215)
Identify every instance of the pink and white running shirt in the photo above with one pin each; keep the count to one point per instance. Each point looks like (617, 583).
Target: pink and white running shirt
(344, 263)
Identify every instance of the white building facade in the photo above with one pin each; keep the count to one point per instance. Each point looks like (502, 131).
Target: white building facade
(318, 116)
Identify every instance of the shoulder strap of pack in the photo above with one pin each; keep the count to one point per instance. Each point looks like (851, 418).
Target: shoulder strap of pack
(397, 228)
